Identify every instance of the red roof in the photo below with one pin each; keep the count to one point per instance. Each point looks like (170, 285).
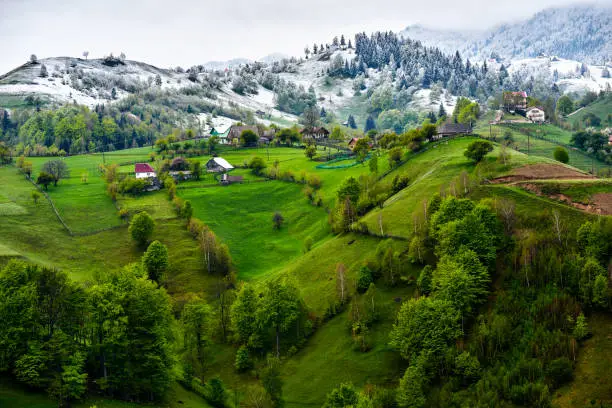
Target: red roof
(144, 168)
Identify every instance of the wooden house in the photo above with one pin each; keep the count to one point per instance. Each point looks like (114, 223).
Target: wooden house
(315, 133)
(218, 165)
(453, 129)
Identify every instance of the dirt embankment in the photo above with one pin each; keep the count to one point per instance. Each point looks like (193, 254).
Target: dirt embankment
(600, 203)
(541, 172)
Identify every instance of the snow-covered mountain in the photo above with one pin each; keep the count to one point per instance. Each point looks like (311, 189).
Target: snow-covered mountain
(580, 33)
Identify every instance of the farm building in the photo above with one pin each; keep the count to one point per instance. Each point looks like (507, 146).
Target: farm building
(218, 165)
(226, 179)
(144, 170)
(536, 114)
(353, 142)
(452, 129)
(180, 175)
(315, 133)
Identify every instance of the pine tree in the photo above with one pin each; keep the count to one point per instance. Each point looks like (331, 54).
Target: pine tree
(441, 111)
(351, 122)
(370, 124)
(342, 40)
(350, 45)
(43, 71)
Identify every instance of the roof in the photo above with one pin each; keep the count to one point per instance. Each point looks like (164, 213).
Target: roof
(535, 107)
(518, 93)
(236, 131)
(455, 128)
(220, 161)
(143, 168)
(314, 130)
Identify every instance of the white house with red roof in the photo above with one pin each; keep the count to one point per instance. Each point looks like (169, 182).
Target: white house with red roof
(144, 170)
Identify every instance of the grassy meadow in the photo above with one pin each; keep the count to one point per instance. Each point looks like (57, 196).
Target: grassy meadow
(241, 216)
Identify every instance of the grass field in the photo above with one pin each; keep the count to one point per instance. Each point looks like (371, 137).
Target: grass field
(539, 147)
(241, 215)
(600, 108)
(591, 385)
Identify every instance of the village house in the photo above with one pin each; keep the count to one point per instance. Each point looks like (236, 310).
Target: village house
(536, 114)
(515, 101)
(453, 129)
(236, 131)
(353, 142)
(144, 171)
(315, 133)
(218, 165)
(180, 175)
(267, 136)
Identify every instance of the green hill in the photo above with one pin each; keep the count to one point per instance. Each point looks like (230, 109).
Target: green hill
(341, 348)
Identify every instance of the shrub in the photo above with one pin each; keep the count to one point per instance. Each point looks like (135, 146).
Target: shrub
(560, 371)
(133, 186)
(477, 150)
(243, 362)
(314, 181)
(141, 228)
(215, 392)
(561, 155)
(257, 165)
(308, 244)
(364, 279)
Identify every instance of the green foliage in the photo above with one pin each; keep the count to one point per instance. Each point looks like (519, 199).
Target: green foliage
(373, 164)
(243, 361)
(395, 156)
(477, 150)
(581, 329)
(350, 189)
(310, 151)
(51, 326)
(248, 138)
(133, 186)
(155, 261)
(560, 371)
(257, 165)
(272, 381)
(44, 179)
(411, 392)
(141, 228)
(244, 317)
(364, 279)
(425, 325)
(565, 106)
(56, 169)
(466, 111)
(425, 280)
(216, 395)
(341, 397)
(561, 155)
(361, 149)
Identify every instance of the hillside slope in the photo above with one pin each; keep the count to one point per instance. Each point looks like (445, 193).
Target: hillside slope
(576, 32)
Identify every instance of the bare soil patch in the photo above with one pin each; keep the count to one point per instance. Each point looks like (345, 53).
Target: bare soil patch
(541, 172)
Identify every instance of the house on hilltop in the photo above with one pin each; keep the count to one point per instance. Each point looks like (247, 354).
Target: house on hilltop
(144, 171)
(536, 114)
(515, 101)
(315, 133)
(453, 129)
(218, 165)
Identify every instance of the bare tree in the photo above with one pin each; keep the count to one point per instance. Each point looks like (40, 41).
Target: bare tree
(122, 57)
(506, 210)
(86, 54)
(33, 59)
(341, 282)
(558, 225)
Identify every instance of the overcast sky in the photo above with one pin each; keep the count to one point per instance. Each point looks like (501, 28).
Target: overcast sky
(188, 32)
